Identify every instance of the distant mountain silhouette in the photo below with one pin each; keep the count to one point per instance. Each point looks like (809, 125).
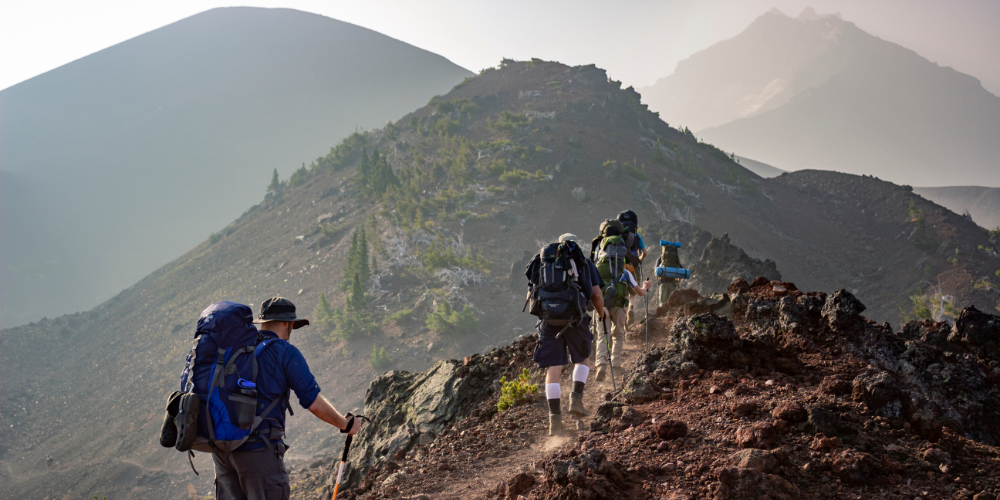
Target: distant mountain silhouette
(138, 152)
(981, 203)
(817, 92)
(762, 169)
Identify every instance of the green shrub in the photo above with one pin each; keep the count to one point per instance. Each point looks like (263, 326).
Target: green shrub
(446, 126)
(213, 239)
(508, 121)
(447, 321)
(299, 176)
(351, 325)
(922, 238)
(514, 177)
(634, 171)
(438, 257)
(379, 359)
(515, 392)
(400, 317)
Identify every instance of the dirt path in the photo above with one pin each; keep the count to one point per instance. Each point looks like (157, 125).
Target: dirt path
(476, 457)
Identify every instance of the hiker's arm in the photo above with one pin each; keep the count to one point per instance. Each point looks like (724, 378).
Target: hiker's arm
(598, 299)
(327, 413)
(641, 290)
(642, 254)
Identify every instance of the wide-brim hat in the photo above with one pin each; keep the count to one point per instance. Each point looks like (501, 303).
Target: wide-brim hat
(280, 309)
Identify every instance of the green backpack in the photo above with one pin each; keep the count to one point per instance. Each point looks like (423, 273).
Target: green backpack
(611, 254)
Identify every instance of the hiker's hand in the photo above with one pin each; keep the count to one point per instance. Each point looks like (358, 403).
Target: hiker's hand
(647, 284)
(352, 426)
(604, 312)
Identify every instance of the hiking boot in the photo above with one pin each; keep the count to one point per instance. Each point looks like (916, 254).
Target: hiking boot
(556, 427)
(576, 405)
(599, 376)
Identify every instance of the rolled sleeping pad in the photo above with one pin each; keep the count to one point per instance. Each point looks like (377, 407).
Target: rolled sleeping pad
(665, 243)
(673, 272)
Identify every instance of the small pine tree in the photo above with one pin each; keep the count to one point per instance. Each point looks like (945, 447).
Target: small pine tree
(357, 260)
(275, 182)
(356, 301)
(323, 313)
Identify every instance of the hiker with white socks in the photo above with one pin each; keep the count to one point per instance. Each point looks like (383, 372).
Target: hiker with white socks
(562, 286)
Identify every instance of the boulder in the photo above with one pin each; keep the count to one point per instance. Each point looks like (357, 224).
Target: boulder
(722, 262)
(854, 467)
(977, 332)
(880, 392)
(790, 411)
(758, 460)
(705, 339)
(410, 408)
(741, 483)
(518, 483)
(671, 429)
(842, 312)
(821, 421)
(758, 435)
(835, 386)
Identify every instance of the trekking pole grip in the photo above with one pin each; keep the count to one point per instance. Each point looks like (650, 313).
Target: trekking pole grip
(347, 447)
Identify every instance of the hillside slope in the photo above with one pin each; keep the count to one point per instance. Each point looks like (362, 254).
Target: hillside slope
(982, 203)
(138, 152)
(457, 195)
(817, 92)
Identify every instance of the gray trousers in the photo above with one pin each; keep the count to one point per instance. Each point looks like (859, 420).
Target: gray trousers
(252, 475)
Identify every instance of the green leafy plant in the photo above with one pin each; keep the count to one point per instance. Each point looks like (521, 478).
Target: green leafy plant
(515, 392)
(447, 321)
(379, 359)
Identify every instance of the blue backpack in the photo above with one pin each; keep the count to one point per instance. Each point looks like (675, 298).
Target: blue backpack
(216, 408)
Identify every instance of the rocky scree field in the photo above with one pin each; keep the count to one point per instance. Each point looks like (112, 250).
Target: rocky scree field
(797, 396)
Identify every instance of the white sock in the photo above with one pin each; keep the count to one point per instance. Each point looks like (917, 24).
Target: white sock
(552, 391)
(580, 373)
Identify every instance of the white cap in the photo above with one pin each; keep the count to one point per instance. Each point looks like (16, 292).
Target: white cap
(567, 237)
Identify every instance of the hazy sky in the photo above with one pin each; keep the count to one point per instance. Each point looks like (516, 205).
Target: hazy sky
(637, 41)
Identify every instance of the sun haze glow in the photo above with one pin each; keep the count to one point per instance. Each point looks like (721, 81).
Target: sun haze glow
(637, 42)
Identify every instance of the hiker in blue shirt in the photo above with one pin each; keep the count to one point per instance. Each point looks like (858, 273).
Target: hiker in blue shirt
(630, 220)
(256, 470)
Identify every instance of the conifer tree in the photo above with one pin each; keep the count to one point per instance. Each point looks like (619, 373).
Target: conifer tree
(275, 182)
(357, 260)
(323, 313)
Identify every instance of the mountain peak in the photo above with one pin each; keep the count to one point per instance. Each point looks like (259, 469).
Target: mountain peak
(809, 14)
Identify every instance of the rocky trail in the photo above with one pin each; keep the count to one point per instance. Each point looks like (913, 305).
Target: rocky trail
(795, 396)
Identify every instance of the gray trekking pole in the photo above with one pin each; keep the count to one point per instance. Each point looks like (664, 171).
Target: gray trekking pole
(607, 340)
(647, 318)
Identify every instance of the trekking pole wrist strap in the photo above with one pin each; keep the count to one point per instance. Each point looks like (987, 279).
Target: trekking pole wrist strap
(350, 422)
